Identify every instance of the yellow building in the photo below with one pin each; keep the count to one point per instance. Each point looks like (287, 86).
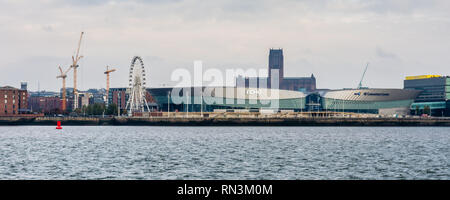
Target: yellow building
(421, 77)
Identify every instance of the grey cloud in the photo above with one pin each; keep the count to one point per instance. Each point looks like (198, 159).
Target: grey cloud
(101, 2)
(48, 28)
(328, 35)
(384, 54)
(402, 6)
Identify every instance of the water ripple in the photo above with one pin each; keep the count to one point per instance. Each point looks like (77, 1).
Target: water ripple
(224, 153)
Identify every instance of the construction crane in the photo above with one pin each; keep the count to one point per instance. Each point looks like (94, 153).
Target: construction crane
(63, 76)
(75, 60)
(362, 78)
(107, 80)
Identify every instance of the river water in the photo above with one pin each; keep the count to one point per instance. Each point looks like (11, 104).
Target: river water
(145, 152)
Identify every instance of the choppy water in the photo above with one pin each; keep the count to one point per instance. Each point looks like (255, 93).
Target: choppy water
(28, 152)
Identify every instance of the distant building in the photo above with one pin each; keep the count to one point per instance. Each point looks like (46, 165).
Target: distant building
(43, 93)
(98, 96)
(48, 102)
(434, 98)
(276, 62)
(69, 98)
(45, 104)
(13, 101)
(83, 99)
(118, 96)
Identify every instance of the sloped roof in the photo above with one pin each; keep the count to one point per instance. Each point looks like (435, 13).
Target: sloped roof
(8, 88)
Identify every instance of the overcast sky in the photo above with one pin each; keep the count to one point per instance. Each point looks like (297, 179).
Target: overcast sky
(332, 39)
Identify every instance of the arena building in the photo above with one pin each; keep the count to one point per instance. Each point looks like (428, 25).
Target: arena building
(376, 101)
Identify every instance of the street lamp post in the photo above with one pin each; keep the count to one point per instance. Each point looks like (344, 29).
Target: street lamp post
(201, 105)
(168, 104)
(187, 104)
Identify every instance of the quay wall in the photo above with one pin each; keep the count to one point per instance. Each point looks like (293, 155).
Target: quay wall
(223, 121)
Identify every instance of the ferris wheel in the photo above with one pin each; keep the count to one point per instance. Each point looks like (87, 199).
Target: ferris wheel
(137, 91)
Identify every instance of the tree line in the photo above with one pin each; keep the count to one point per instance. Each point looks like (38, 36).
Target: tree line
(98, 109)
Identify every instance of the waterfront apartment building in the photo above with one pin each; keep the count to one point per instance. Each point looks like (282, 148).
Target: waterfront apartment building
(434, 98)
(13, 101)
(276, 62)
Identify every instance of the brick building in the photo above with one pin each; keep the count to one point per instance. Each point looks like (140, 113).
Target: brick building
(118, 96)
(45, 104)
(13, 101)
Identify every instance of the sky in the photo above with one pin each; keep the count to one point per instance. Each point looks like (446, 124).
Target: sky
(332, 39)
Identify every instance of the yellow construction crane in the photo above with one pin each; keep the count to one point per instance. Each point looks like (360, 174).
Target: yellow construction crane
(107, 80)
(63, 75)
(75, 60)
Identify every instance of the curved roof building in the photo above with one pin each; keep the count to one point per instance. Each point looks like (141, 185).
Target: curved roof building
(227, 98)
(377, 101)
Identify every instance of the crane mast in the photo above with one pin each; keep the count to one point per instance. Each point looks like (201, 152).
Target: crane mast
(75, 66)
(63, 76)
(362, 78)
(107, 81)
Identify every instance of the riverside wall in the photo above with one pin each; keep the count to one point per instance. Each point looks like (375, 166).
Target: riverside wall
(222, 121)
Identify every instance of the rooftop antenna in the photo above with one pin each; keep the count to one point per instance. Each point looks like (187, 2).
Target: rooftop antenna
(362, 78)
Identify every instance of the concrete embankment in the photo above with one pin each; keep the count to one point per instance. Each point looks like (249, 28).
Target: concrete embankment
(225, 121)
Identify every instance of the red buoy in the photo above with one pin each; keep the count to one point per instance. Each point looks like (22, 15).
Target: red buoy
(58, 125)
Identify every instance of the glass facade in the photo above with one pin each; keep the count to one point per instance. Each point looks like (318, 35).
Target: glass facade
(313, 102)
(362, 106)
(447, 89)
(434, 99)
(430, 108)
(431, 105)
(433, 89)
(227, 103)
